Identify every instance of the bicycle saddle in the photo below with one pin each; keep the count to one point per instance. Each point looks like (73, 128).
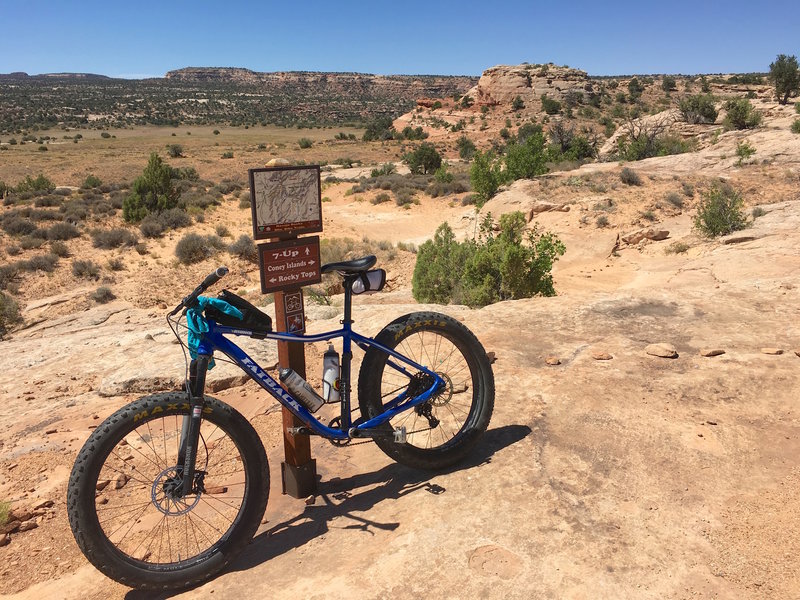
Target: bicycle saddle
(351, 267)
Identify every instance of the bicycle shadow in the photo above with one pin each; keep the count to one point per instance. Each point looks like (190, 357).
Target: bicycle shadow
(336, 500)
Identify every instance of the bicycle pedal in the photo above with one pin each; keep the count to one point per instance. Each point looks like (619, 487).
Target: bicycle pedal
(400, 435)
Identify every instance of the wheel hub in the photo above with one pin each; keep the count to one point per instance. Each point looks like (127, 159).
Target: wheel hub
(167, 495)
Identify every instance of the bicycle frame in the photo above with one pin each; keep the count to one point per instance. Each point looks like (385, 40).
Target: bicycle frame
(214, 340)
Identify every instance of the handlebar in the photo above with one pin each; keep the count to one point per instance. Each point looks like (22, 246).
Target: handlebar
(210, 280)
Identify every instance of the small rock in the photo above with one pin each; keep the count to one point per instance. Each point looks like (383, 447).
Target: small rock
(12, 466)
(601, 355)
(149, 337)
(662, 350)
(101, 485)
(797, 352)
(20, 514)
(27, 526)
(493, 357)
(774, 351)
(711, 351)
(102, 500)
(51, 431)
(552, 361)
(312, 499)
(10, 527)
(122, 479)
(5, 539)
(264, 521)
(220, 489)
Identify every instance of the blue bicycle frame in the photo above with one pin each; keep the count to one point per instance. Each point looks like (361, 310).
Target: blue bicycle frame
(214, 340)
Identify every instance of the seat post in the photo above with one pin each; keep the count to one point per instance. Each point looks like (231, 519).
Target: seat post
(348, 300)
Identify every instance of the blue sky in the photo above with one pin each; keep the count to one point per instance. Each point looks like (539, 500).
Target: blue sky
(144, 38)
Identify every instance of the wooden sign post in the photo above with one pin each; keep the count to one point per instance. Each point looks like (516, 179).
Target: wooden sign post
(287, 201)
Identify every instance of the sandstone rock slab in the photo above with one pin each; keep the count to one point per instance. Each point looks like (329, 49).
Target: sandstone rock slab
(711, 351)
(662, 350)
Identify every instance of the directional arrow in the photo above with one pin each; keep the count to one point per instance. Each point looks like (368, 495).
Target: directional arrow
(273, 280)
(311, 262)
(308, 251)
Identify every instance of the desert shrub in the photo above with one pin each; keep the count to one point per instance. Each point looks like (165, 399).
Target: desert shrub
(13, 249)
(174, 150)
(91, 182)
(635, 89)
(550, 106)
(152, 226)
(16, 225)
(380, 198)
(744, 150)
(675, 199)
(796, 126)
(647, 138)
(35, 184)
(227, 154)
(105, 135)
(601, 221)
(517, 103)
(62, 231)
(85, 269)
(198, 199)
(141, 248)
(741, 114)
(8, 273)
(42, 262)
(48, 201)
(668, 83)
(698, 109)
(102, 295)
(425, 159)
(116, 264)
(222, 230)
(785, 75)
(514, 263)
(466, 148)
(29, 242)
(305, 143)
(525, 160)
(9, 317)
(485, 176)
(411, 134)
(215, 132)
(193, 247)
(152, 191)
(630, 177)
(380, 128)
(244, 248)
(60, 249)
(676, 248)
(384, 169)
(404, 197)
(757, 212)
(720, 211)
(113, 238)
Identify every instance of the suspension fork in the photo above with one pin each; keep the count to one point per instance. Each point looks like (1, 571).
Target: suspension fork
(190, 431)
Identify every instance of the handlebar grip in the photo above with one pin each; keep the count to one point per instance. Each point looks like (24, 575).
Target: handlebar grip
(214, 277)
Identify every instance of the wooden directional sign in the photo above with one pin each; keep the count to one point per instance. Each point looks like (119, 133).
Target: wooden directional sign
(286, 201)
(289, 264)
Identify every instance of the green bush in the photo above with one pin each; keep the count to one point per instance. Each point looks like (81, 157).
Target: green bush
(378, 129)
(152, 191)
(517, 103)
(485, 176)
(91, 182)
(411, 134)
(116, 264)
(37, 184)
(550, 106)
(384, 169)
(60, 249)
(741, 114)
(796, 126)
(785, 75)
(635, 89)
(668, 84)
(720, 211)
(744, 150)
(380, 198)
(630, 177)
(305, 143)
(9, 317)
(105, 135)
(698, 109)
(466, 148)
(193, 247)
(227, 154)
(525, 160)
(17, 225)
(425, 159)
(512, 264)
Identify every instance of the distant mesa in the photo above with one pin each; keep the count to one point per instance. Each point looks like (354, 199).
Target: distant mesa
(501, 84)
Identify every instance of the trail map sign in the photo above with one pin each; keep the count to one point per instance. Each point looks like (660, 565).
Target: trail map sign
(289, 264)
(287, 201)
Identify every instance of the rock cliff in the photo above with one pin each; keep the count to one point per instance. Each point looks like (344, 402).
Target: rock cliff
(501, 84)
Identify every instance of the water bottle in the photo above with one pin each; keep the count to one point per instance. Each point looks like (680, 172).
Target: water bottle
(330, 375)
(301, 389)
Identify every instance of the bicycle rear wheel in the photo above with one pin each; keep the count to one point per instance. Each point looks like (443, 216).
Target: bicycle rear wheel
(441, 431)
(123, 508)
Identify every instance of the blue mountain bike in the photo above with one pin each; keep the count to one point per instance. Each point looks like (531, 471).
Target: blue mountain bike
(169, 489)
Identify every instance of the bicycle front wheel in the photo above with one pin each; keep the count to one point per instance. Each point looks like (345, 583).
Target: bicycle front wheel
(442, 430)
(125, 508)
